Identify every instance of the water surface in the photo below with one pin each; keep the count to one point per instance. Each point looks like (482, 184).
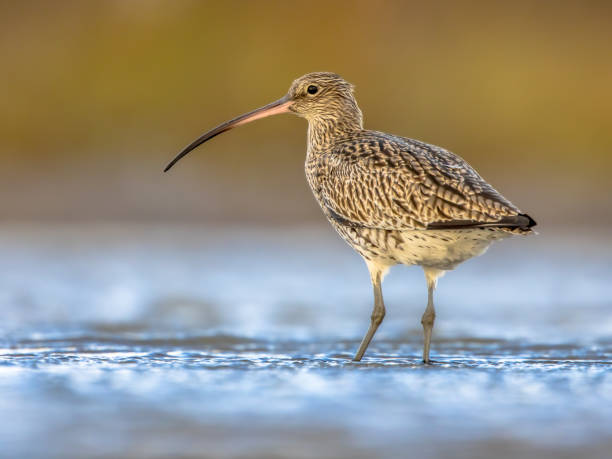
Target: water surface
(149, 341)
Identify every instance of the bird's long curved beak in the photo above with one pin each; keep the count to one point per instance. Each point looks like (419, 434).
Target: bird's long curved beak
(280, 106)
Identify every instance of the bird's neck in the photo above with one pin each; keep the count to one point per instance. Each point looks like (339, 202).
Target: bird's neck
(326, 130)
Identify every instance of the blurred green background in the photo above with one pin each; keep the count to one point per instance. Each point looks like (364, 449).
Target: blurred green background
(98, 96)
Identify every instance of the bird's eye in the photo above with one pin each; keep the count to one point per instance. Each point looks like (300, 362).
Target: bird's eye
(312, 89)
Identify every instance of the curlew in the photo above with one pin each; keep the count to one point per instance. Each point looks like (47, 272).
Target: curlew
(394, 200)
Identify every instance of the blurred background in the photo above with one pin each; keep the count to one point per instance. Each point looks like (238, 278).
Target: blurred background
(99, 96)
(212, 311)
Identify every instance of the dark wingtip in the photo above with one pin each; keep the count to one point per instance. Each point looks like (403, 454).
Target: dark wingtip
(531, 222)
(521, 221)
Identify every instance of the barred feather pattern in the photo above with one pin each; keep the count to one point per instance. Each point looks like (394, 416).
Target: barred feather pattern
(376, 180)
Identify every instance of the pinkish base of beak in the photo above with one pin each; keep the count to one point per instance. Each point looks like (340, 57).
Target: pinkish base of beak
(283, 108)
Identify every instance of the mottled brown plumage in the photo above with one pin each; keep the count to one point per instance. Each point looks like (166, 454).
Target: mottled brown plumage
(394, 200)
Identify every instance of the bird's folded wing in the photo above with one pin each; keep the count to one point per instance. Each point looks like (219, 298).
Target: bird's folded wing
(389, 182)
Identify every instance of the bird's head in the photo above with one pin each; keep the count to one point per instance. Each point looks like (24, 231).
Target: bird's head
(319, 95)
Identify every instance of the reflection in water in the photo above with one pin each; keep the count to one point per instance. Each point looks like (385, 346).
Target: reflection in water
(176, 341)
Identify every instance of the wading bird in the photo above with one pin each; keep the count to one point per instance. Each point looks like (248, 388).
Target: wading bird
(394, 200)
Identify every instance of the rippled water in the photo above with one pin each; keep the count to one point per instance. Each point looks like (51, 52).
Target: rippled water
(196, 342)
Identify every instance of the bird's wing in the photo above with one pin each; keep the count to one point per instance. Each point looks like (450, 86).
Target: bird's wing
(387, 182)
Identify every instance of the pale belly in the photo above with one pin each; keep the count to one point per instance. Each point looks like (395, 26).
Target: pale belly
(439, 249)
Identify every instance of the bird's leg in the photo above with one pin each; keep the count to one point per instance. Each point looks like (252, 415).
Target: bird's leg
(378, 313)
(428, 318)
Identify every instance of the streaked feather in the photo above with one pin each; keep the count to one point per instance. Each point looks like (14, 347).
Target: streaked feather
(377, 180)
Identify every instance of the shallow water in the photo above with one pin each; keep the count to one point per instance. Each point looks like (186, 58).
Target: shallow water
(150, 341)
